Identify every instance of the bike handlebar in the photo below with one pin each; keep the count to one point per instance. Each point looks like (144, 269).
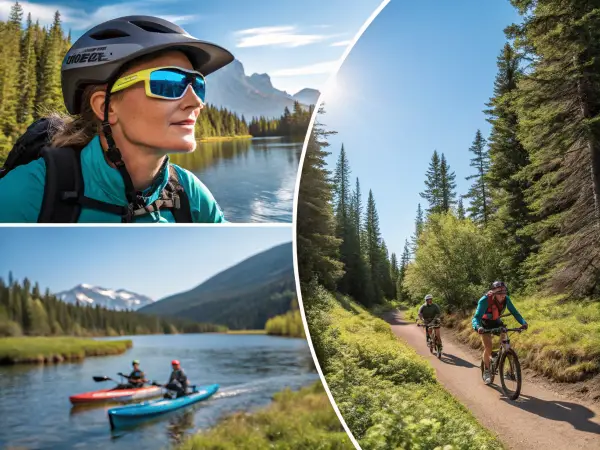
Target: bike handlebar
(502, 330)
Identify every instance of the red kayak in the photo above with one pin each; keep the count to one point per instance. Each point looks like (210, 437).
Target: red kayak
(116, 394)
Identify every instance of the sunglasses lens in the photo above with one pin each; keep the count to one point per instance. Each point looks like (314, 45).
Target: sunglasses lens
(172, 84)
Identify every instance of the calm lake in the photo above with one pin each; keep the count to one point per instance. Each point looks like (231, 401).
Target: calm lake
(36, 412)
(253, 180)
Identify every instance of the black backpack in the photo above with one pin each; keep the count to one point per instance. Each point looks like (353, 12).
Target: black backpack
(63, 191)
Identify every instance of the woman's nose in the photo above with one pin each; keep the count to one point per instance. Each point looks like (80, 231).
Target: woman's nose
(191, 99)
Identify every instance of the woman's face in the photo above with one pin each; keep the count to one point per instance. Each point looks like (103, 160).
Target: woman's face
(156, 123)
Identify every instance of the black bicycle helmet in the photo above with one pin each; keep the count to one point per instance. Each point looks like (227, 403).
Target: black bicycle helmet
(98, 55)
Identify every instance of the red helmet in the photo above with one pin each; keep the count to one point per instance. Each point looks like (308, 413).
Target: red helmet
(175, 362)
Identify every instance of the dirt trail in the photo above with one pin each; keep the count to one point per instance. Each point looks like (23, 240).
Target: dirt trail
(538, 419)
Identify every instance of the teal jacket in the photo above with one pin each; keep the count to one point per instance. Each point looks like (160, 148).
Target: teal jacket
(22, 192)
(482, 307)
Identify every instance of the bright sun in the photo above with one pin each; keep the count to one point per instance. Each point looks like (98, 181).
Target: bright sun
(332, 90)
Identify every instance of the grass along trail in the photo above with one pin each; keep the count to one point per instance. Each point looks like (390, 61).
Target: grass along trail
(538, 419)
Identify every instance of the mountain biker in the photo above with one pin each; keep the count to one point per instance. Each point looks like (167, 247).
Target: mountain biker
(487, 316)
(429, 312)
(178, 381)
(134, 87)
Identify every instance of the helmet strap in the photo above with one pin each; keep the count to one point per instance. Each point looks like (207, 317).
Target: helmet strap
(115, 157)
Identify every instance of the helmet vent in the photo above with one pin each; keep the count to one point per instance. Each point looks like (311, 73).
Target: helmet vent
(108, 34)
(152, 27)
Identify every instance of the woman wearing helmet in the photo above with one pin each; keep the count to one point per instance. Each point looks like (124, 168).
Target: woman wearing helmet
(136, 86)
(487, 316)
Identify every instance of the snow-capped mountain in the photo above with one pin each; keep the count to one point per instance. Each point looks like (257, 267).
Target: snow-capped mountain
(109, 298)
(254, 95)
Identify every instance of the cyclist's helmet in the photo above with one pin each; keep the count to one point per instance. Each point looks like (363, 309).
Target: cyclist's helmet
(428, 297)
(499, 286)
(98, 56)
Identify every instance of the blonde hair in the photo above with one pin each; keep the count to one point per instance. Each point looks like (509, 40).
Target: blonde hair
(76, 131)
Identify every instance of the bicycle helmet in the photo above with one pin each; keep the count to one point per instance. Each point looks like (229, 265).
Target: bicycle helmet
(99, 54)
(499, 285)
(428, 297)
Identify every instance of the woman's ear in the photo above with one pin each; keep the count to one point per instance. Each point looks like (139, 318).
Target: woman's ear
(97, 102)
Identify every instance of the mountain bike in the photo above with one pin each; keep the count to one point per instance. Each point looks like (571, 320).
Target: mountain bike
(509, 372)
(435, 345)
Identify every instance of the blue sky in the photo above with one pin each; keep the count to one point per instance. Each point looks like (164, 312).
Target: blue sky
(417, 80)
(154, 261)
(297, 42)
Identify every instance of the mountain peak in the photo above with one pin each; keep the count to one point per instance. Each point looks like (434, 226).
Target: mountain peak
(251, 96)
(245, 295)
(120, 299)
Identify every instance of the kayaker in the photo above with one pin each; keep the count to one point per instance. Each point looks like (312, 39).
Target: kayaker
(133, 87)
(137, 378)
(178, 380)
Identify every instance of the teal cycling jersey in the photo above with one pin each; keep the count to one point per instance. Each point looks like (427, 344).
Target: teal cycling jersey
(22, 192)
(483, 306)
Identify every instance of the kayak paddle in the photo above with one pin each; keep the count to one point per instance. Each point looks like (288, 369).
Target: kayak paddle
(105, 378)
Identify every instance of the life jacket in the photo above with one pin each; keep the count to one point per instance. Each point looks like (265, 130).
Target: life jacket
(494, 309)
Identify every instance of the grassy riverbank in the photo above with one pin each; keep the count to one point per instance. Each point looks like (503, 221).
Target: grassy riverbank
(562, 342)
(388, 395)
(288, 325)
(302, 419)
(245, 332)
(23, 350)
(225, 138)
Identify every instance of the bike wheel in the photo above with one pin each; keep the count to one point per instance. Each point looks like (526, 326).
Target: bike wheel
(510, 374)
(439, 349)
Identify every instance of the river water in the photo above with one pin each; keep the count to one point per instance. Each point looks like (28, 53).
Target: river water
(36, 412)
(253, 180)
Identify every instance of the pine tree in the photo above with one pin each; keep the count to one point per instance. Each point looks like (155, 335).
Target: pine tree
(395, 271)
(447, 186)
(341, 181)
(344, 227)
(479, 194)
(433, 185)
(559, 126)
(9, 71)
(387, 285)
(317, 246)
(508, 159)
(28, 78)
(419, 224)
(404, 261)
(460, 211)
(373, 245)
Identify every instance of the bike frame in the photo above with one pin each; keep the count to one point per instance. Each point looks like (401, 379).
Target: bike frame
(432, 342)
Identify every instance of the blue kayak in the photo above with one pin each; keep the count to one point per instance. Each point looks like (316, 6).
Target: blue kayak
(125, 415)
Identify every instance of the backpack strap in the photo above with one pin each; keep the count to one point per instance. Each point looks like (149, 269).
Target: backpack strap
(64, 193)
(181, 210)
(64, 185)
(64, 189)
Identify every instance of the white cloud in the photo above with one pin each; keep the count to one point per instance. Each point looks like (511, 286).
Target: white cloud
(284, 36)
(43, 13)
(78, 20)
(342, 43)
(313, 69)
